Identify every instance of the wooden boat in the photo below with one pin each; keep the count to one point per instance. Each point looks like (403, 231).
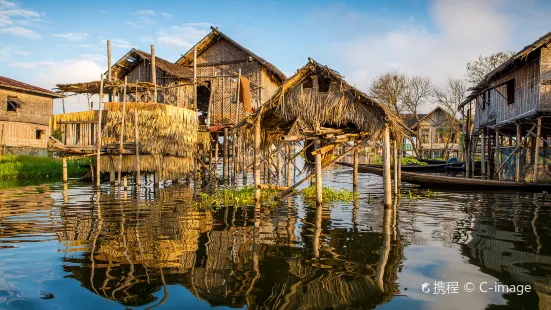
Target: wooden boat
(425, 168)
(438, 181)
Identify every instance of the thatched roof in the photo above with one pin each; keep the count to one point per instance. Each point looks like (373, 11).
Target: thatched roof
(134, 57)
(511, 63)
(20, 86)
(216, 35)
(409, 118)
(93, 87)
(422, 117)
(337, 104)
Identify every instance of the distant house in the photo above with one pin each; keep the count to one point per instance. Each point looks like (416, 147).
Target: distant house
(24, 117)
(511, 107)
(439, 134)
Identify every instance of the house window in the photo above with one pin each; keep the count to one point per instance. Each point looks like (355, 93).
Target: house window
(511, 91)
(11, 104)
(39, 134)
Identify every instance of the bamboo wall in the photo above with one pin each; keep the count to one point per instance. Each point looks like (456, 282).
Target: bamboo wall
(223, 51)
(428, 128)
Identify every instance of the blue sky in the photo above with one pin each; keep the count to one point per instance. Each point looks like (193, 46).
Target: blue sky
(49, 42)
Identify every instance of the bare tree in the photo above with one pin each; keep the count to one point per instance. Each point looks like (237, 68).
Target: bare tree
(477, 69)
(417, 92)
(388, 89)
(449, 97)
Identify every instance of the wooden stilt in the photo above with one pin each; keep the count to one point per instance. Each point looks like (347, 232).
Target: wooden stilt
(483, 153)
(112, 176)
(497, 152)
(137, 144)
(125, 181)
(319, 185)
(225, 168)
(355, 171)
(153, 73)
(289, 162)
(537, 151)
(395, 157)
(98, 135)
(387, 184)
(64, 167)
(399, 176)
(121, 141)
(257, 159)
(517, 161)
(109, 60)
(216, 154)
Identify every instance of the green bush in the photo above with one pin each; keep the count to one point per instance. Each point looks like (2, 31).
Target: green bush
(238, 197)
(36, 167)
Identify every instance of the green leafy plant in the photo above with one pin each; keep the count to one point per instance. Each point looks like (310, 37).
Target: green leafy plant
(238, 197)
(330, 194)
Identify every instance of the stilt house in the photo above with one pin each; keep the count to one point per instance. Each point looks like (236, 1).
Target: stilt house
(511, 117)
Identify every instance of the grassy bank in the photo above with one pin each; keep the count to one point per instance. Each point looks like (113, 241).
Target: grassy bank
(14, 167)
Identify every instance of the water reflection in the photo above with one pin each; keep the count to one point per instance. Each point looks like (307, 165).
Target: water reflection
(151, 248)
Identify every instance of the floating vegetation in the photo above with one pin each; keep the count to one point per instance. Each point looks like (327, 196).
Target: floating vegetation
(418, 195)
(37, 167)
(330, 194)
(407, 160)
(238, 197)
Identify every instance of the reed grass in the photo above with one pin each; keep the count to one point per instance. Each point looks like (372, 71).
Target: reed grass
(14, 167)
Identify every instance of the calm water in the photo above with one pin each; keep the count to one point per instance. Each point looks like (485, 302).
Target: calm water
(75, 250)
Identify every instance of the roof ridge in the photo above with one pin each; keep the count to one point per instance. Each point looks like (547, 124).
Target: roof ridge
(15, 84)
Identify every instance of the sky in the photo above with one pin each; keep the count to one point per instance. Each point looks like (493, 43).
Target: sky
(49, 42)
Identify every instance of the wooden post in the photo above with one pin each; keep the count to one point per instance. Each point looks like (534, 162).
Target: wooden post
(237, 103)
(225, 168)
(112, 176)
(517, 161)
(355, 170)
(289, 162)
(122, 129)
(387, 184)
(395, 155)
(399, 175)
(153, 73)
(497, 153)
(98, 135)
(195, 77)
(137, 143)
(537, 151)
(216, 155)
(63, 102)
(64, 166)
(319, 185)
(109, 60)
(257, 159)
(483, 153)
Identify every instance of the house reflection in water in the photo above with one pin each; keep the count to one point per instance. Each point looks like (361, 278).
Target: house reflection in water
(233, 257)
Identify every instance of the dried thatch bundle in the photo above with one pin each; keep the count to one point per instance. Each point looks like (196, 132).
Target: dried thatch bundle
(170, 167)
(76, 117)
(163, 129)
(203, 140)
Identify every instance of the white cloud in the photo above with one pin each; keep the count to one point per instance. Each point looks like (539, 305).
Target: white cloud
(120, 43)
(133, 24)
(100, 58)
(146, 39)
(7, 4)
(146, 12)
(33, 64)
(4, 55)
(183, 36)
(438, 53)
(166, 14)
(20, 31)
(11, 14)
(72, 36)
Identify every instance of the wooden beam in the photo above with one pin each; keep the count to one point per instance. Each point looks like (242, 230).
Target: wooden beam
(517, 161)
(519, 145)
(288, 192)
(319, 185)
(257, 152)
(483, 153)
(137, 142)
(109, 60)
(153, 73)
